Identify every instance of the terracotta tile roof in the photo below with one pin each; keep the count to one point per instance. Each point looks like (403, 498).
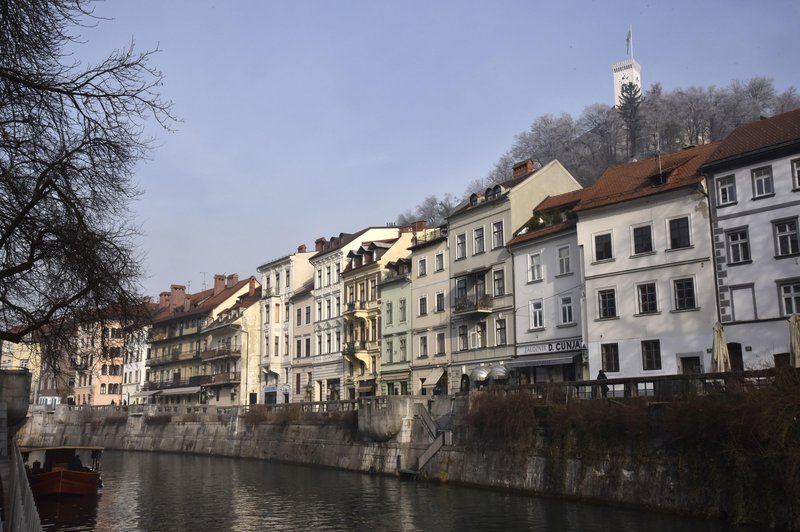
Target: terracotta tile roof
(564, 202)
(561, 200)
(201, 302)
(648, 177)
(545, 231)
(756, 136)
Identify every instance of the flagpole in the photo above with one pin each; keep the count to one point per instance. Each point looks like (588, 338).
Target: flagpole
(630, 32)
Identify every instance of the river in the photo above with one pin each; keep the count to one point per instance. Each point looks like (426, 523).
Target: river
(174, 492)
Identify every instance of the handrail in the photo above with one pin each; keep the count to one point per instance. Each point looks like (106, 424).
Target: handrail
(22, 516)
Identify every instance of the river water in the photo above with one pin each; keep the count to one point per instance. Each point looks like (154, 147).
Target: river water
(173, 492)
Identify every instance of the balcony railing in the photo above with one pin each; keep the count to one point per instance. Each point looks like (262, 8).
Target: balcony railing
(218, 352)
(226, 378)
(351, 348)
(473, 304)
(197, 380)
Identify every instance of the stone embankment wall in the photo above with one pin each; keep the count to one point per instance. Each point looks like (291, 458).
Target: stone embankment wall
(388, 436)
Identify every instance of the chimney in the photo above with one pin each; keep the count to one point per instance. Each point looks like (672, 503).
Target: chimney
(319, 243)
(147, 300)
(252, 288)
(232, 280)
(522, 168)
(163, 300)
(177, 295)
(219, 283)
(301, 248)
(187, 303)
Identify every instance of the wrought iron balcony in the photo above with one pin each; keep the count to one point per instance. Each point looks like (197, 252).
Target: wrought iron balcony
(481, 304)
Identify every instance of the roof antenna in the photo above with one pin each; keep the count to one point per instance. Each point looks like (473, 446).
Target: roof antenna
(204, 279)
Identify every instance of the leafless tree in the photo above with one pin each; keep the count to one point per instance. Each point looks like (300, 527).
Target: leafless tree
(70, 136)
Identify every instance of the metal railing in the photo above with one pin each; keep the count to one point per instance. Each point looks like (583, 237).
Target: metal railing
(22, 514)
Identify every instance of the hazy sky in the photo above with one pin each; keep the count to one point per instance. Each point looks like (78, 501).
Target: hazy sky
(303, 119)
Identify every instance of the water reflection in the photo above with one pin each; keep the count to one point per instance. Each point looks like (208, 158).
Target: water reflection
(157, 492)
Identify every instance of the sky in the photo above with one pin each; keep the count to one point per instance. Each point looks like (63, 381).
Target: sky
(304, 119)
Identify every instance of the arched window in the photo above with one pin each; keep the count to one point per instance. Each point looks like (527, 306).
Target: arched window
(104, 369)
(103, 388)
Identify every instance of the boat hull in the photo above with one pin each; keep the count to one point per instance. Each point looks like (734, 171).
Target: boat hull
(65, 482)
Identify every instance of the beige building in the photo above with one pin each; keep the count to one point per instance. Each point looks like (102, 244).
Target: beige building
(481, 270)
(302, 368)
(328, 364)
(364, 270)
(430, 316)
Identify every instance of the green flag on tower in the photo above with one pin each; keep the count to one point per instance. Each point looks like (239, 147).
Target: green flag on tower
(629, 41)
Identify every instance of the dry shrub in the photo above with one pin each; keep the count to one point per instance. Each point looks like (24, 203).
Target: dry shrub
(158, 419)
(503, 416)
(117, 419)
(255, 414)
(600, 425)
(289, 414)
(190, 417)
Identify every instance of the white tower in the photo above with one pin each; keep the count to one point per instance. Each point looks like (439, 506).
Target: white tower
(627, 71)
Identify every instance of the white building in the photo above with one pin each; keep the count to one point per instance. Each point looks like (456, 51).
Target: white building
(754, 179)
(280, 279)
(548, 294)
(645, 236)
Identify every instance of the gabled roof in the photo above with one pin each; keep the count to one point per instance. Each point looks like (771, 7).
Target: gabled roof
(563, 202)
(648, 177)
(768, 133)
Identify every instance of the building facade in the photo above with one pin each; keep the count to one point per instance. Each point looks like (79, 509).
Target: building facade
(395, 287)
(754, 183)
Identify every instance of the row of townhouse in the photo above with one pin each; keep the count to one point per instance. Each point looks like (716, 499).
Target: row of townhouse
(536, 279)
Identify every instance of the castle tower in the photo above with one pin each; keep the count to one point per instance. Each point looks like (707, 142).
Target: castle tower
(627, 71)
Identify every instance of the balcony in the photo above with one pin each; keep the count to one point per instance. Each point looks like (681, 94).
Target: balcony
(353, 348)
(177, 383)
(221, 379)
(481, 304)
(269, 291)
(221, 352)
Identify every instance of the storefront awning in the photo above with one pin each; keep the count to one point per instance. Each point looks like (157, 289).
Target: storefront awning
(431, 376)
(552, 360)
(180, 391)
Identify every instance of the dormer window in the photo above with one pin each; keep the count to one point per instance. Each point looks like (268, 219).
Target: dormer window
(473, 200)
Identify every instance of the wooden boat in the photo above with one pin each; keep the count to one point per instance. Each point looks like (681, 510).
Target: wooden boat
(63, 470)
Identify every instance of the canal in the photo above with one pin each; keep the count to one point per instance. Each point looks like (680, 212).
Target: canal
(174, 492)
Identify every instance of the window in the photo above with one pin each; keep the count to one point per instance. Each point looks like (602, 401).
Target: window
(319, 344)
(277, 281)
(440, 302)
(499, 282)
(438, 262)
(461, 246)
(103, 388)
(478, 244)
(299, 352)
(422, 267)
(390, 350)
(762, 181)
(498, 240)
(796, 174)
(373, 289)
(564, 266)
(388, 313)
(610, 357)
(480, 334)
(439, 343)
(319, 311)
(536, 314)
(602, 247)
(402, 349)
(738, 247)
(336, 269)
(308, 314)
(423, 347)
(679, 234)
(534, 267)
(790, 297)
(651, 355)
(463, 343)
(607, 303)
(726, 190)
(642, 239)
(308, 347)
(319, 278)
(327, 275)
(684, 294)
(402, 310)
(288, 279)
(565, 302)
(786, 238)
(299, 316)
(338, 306)
(423, 306)
(461, 288)
(646, 298)
(500, 332)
